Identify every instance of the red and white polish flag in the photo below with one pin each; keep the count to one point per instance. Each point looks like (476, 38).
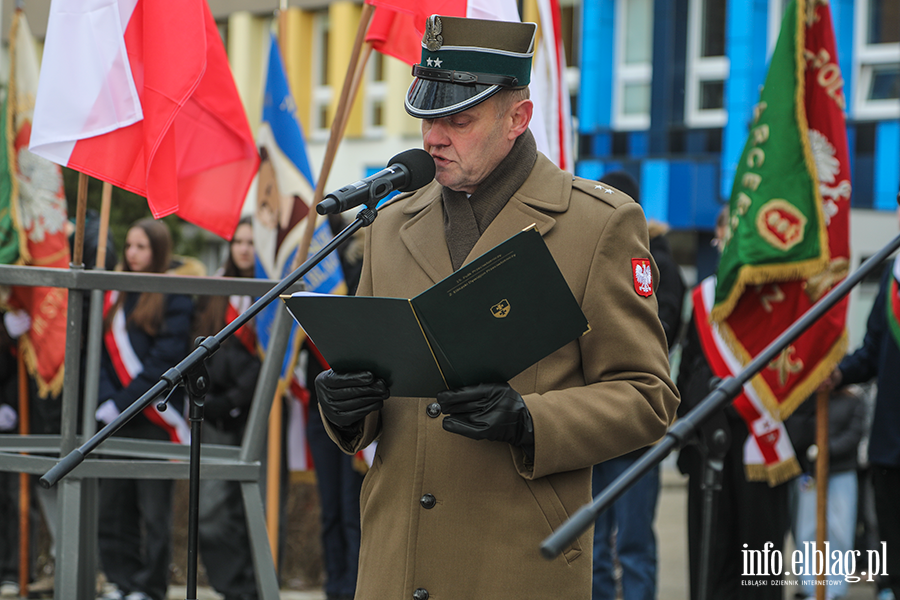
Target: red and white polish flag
(139, 93)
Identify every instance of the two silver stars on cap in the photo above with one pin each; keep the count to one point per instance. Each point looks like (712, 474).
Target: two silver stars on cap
(434, 62)
(605, 190)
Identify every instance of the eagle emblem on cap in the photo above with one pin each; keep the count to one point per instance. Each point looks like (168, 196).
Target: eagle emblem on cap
(433, 38)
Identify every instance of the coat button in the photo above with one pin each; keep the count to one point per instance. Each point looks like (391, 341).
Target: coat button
(433, 410)
(420, 594)
(427, 501)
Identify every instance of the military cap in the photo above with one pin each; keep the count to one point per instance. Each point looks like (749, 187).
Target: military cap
(466, 61)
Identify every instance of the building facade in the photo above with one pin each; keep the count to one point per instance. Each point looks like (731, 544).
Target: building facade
(664, 89)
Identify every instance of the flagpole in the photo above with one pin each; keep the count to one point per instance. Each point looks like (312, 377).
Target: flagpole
(24, 482)
(821, 484)
(105, 199)
(337, 125)
(276, 410)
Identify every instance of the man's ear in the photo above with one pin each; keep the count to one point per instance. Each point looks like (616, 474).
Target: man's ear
(520, 115)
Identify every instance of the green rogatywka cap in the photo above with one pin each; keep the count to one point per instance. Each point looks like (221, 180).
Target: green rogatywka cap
(466, 61)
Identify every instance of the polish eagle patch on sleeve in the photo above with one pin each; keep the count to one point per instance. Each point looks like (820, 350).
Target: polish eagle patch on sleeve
(643, 276)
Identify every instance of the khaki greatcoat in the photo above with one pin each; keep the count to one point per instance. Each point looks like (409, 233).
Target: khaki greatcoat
(598, 397)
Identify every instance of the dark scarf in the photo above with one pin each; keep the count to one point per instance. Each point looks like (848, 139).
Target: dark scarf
(465, 219)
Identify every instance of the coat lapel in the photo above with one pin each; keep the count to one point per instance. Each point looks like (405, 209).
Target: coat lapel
(547, 190)
(423, 235)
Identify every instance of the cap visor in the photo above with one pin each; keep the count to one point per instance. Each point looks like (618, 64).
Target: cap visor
(427, 99)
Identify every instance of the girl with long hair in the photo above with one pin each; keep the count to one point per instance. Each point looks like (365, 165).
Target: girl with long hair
(233, 371)
(144, 335)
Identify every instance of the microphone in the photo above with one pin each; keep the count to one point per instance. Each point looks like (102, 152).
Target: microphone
(407, 171)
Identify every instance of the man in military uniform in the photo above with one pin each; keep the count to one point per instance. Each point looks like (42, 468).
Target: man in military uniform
(465, 487)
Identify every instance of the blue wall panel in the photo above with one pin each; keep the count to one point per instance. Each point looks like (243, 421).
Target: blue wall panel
(693, 194)
(601, 144)
(655, 192)
(863, 180)
(746, 51)
(887, 164)
(590, 169)
(597, 40)
(638, 144)
(842, 18)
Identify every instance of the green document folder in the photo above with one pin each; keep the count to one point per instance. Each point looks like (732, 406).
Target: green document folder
(485, 323)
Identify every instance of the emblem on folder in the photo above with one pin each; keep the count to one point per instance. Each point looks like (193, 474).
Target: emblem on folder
(643, 276)
(501, 309)
(433, 38)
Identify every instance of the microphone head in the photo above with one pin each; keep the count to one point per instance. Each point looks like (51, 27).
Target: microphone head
(418, 164)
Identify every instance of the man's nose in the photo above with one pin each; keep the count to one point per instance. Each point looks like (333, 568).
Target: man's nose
(436, 134)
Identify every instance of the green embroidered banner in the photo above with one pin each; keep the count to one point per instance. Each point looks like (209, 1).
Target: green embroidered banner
(787, 241)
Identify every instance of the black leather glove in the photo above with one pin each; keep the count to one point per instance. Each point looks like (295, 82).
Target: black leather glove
(345, 398)
(488, 411)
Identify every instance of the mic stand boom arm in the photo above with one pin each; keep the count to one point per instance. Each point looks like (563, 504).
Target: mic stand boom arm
(192, 372)
(175, 376)
(685, 428)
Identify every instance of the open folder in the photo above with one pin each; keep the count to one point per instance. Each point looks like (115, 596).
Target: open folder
(485, 323)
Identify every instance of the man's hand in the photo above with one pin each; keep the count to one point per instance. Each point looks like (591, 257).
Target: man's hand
(345, 398)
(488, 412)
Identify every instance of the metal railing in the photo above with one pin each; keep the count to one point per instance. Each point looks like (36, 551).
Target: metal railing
(76, 544)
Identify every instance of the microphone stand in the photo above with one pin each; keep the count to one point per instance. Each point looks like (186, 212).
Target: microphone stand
(685, 428)
(192, 372)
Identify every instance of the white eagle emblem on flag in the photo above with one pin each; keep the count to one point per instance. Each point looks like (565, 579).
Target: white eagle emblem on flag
(643, 276)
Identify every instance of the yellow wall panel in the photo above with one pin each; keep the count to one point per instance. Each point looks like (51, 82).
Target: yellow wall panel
(297, 49)
(247, 53)
(397, 120)
(344, 19)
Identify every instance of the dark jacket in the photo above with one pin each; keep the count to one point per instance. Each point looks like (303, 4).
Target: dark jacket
(233, 372)
(846, 423)
(671, 288)
(694, 379)
(879, 356)
(157, 354)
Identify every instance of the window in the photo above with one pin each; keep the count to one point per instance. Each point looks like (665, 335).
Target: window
(877, 60)
(376, 95)
(776, 15)
(634, 64)
(707, 65)
(322, 89)
(570, 21)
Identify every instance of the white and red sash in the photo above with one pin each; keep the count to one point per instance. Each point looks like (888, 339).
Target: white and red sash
(236, 307)
(127, 366)
(768, 453)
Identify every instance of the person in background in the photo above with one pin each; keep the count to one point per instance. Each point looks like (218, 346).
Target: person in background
(746, 512)
(877, 358)
(624, 533)
(151, 330)
(233, 371)
(846, 422)
(9, 482)
(339, 476)
(466, 485)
